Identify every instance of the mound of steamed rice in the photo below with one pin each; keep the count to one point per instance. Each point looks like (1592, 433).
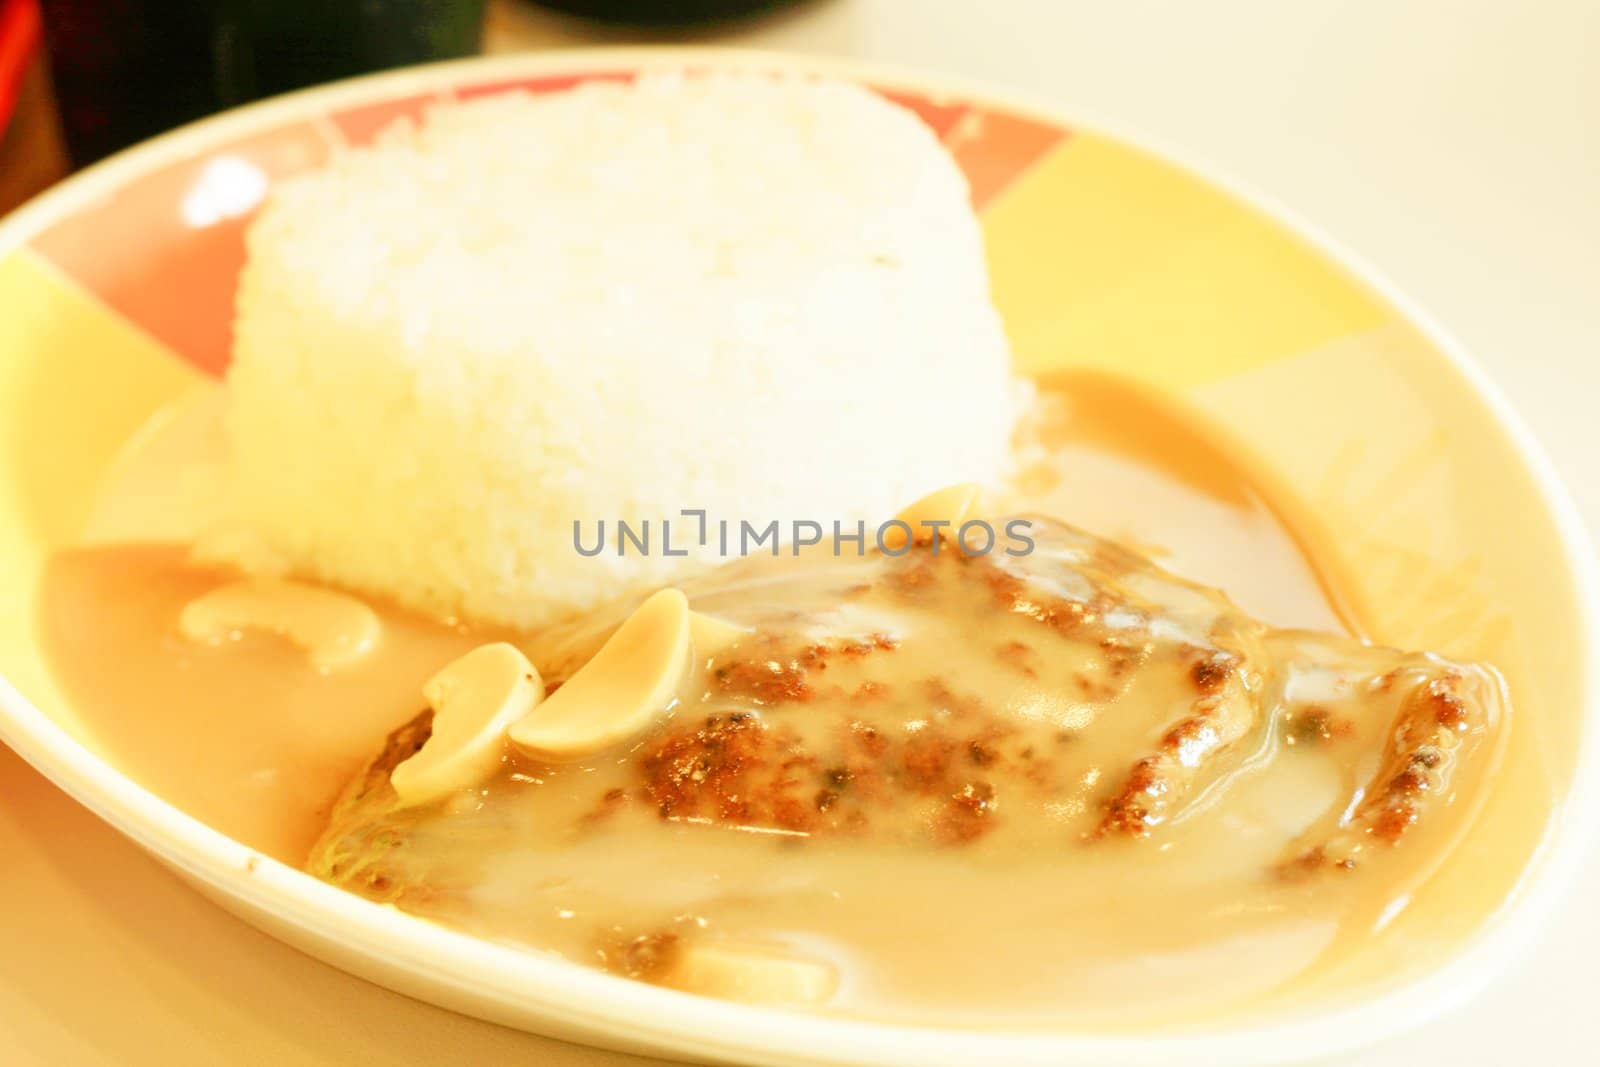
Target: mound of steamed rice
(761, 297)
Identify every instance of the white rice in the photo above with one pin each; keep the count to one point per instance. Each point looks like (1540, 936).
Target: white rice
(762, 297)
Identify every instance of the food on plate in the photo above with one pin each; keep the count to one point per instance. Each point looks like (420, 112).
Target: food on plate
(1067, 715)
(740, 295)
(969, 734)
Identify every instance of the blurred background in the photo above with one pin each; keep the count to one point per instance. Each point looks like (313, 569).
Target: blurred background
(1454, 143)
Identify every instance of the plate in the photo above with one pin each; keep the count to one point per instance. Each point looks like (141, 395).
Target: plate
(116, 299)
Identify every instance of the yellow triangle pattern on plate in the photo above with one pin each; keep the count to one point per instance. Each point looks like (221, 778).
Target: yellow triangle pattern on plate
(1104, 257)
(76, 380)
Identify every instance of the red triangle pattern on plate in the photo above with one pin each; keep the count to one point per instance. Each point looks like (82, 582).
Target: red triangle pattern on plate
(548, 83)
(165, 248)
(939, 113)
(994, 148)
(359, 125)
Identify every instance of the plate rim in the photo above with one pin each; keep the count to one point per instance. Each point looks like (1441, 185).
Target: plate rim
(637, 1017)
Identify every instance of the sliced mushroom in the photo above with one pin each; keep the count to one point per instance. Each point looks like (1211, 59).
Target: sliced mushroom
(624, 688)
(751, 975)
(475, 699)
(952, 505)
(333, 628)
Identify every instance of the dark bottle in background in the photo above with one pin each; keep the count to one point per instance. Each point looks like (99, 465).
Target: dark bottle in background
(663, 12)
(125, 70)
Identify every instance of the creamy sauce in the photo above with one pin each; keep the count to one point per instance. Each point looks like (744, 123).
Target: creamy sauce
(248, 737)
(1122, 462)
(996, 892)
(924, 773)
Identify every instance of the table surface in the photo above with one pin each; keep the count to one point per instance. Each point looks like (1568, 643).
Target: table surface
(1455, 144)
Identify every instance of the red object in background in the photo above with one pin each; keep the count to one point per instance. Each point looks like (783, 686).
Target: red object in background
(19, 39)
